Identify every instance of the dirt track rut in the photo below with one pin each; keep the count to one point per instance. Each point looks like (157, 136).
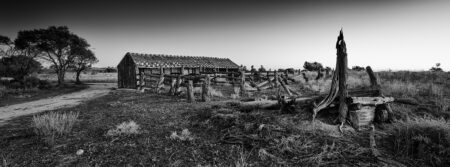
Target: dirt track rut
(52, 103)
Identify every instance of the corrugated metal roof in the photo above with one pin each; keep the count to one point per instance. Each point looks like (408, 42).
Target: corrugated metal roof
(159, 60)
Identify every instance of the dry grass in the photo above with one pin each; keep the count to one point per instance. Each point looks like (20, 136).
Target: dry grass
(54, 124)
(125, 128)
(185, 135)
(425, 139)
(84, 77)
(212, 92)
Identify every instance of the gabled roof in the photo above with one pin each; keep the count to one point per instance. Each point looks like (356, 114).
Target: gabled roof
(158, 60)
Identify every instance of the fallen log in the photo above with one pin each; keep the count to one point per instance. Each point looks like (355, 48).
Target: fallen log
(284, 86)
(373, 101)
(271, 104)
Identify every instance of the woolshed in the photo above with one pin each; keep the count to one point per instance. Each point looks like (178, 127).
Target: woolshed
(135, 65)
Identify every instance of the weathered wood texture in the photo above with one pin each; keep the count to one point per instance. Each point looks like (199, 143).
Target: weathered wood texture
(206, 89)
(385, 108)
(362, 117)
(273, 104)
(126, 73)
(372, 101)
(190, 92)
(276, 79)
(172, 90)
(243, 91)
(285, 87)
(342, 60)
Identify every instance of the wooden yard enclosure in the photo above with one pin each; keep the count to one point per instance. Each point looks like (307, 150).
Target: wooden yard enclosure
(134, 67)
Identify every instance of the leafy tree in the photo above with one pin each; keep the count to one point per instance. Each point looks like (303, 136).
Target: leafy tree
(84, 58)
(18, 67)
(110, 69)
(314, 66)
(437, 68)
(291, 70)
(55, 44)
(23, 59)
(6, 46)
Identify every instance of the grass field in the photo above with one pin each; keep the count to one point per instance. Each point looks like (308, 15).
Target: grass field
(88, 77)
(128, 128)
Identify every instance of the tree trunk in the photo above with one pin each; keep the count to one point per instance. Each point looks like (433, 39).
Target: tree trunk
(78, 77)
(61, 73)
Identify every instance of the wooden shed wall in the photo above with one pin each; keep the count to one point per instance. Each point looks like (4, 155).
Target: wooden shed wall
(126, 71)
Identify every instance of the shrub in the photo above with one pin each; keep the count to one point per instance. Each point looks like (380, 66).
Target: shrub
(125, 128)
(185, 135)
(31, 82)
(423, 138)
(54, 124)
(312, 66)
(215, 93)
(44, 84)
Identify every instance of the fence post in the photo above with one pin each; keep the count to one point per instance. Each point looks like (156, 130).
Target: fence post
(206, 89)
(276, 79)
(173, 87)
(342, 61)
(190, 92)
(160, 84)
(243, 91)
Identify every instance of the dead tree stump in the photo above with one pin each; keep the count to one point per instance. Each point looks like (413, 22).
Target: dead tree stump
(190, 92)
(206, 89)
(342, 61)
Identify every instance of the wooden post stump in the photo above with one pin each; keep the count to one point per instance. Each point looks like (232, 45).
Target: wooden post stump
(242, 85)
(160, 84)
(276, 79)
(384, 112)
(190, 92)
(173, 88)
(206, 89)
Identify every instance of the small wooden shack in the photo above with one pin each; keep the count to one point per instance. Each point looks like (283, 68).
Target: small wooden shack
(134, 65)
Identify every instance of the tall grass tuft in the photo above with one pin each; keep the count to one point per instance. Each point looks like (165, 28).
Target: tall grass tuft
(125, 128)
(54, 124)
(422, 138)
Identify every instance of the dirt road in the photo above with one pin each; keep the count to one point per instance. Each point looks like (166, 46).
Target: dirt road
(66, 100)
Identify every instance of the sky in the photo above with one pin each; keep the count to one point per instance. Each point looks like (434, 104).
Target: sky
(383, 34)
